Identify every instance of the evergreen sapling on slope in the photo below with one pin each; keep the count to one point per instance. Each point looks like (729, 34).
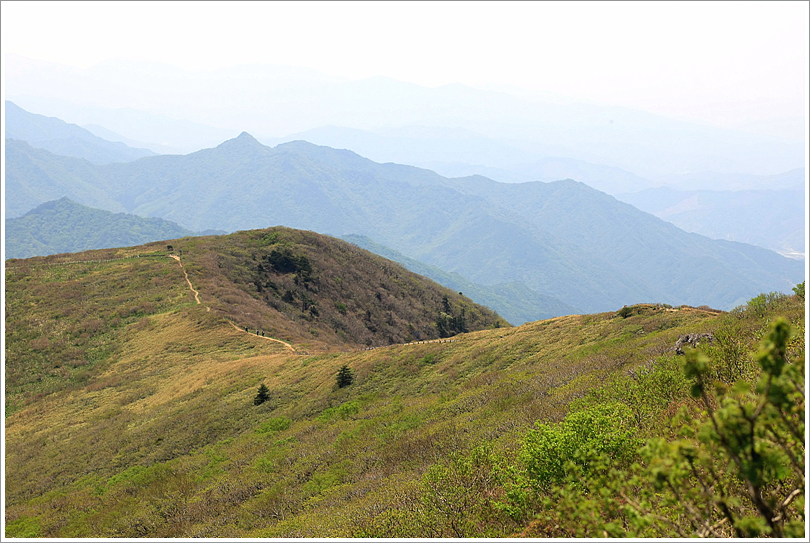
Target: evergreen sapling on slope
(262, 396)
(345, 377)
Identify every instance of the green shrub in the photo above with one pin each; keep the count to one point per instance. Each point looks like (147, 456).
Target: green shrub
(429, 358)
(24, 527)
(457, 492)
(730, 351)
(762, 303)
(599, 429)
(342, 411)
(277, 424)
(647, 391)
(128, 475)
(750, 434)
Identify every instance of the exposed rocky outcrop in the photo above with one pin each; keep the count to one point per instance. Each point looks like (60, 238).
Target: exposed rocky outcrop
(692, 340)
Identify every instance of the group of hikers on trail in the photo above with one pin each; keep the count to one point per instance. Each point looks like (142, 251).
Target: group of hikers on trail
(258, 332)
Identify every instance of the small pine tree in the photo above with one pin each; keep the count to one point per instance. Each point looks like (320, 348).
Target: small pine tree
(345, 377)
(262, 396)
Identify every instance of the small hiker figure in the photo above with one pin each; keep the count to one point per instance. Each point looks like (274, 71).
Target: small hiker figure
(246, 329)
(257, 331)
(262, 333)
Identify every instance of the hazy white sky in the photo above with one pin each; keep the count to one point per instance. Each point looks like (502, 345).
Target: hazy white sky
(722, 62)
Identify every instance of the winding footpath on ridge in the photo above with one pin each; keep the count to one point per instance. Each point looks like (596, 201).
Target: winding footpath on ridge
(197, 298)
(290, 347)
(196, 293)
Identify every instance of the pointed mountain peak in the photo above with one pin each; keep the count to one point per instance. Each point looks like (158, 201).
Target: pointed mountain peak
(242, 143)
(245, 137)
(242, 140)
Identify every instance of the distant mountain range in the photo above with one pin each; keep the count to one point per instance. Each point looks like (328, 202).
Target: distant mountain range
(456, 152)
(191, 109)
(563, 240)
(769, 218)
(459, 153)
(35, 176)
(63, 226)
(65, 139)
(106, 134)
(788, 180)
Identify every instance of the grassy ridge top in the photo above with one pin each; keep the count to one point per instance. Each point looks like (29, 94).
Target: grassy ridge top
(323, 292)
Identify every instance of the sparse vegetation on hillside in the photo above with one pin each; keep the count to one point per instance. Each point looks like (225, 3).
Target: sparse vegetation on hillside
(65, 323)
(329, 292)
(163, 438)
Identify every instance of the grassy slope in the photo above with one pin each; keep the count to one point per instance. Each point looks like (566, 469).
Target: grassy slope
(93, 338)
(151, 429)
(68, 315)
(161, 437)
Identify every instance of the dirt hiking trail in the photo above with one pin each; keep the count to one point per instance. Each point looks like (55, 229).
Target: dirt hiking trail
(197, 298)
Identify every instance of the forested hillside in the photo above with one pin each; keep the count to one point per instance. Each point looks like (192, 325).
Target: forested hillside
(134, 411)
(63, 226)
(305, 287)
(562, 240)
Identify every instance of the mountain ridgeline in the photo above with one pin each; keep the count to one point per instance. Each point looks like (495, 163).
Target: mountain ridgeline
(562, 240)
(713, 213)
(61, 138)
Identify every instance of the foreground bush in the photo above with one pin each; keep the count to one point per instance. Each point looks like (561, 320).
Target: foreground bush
(735, 466)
